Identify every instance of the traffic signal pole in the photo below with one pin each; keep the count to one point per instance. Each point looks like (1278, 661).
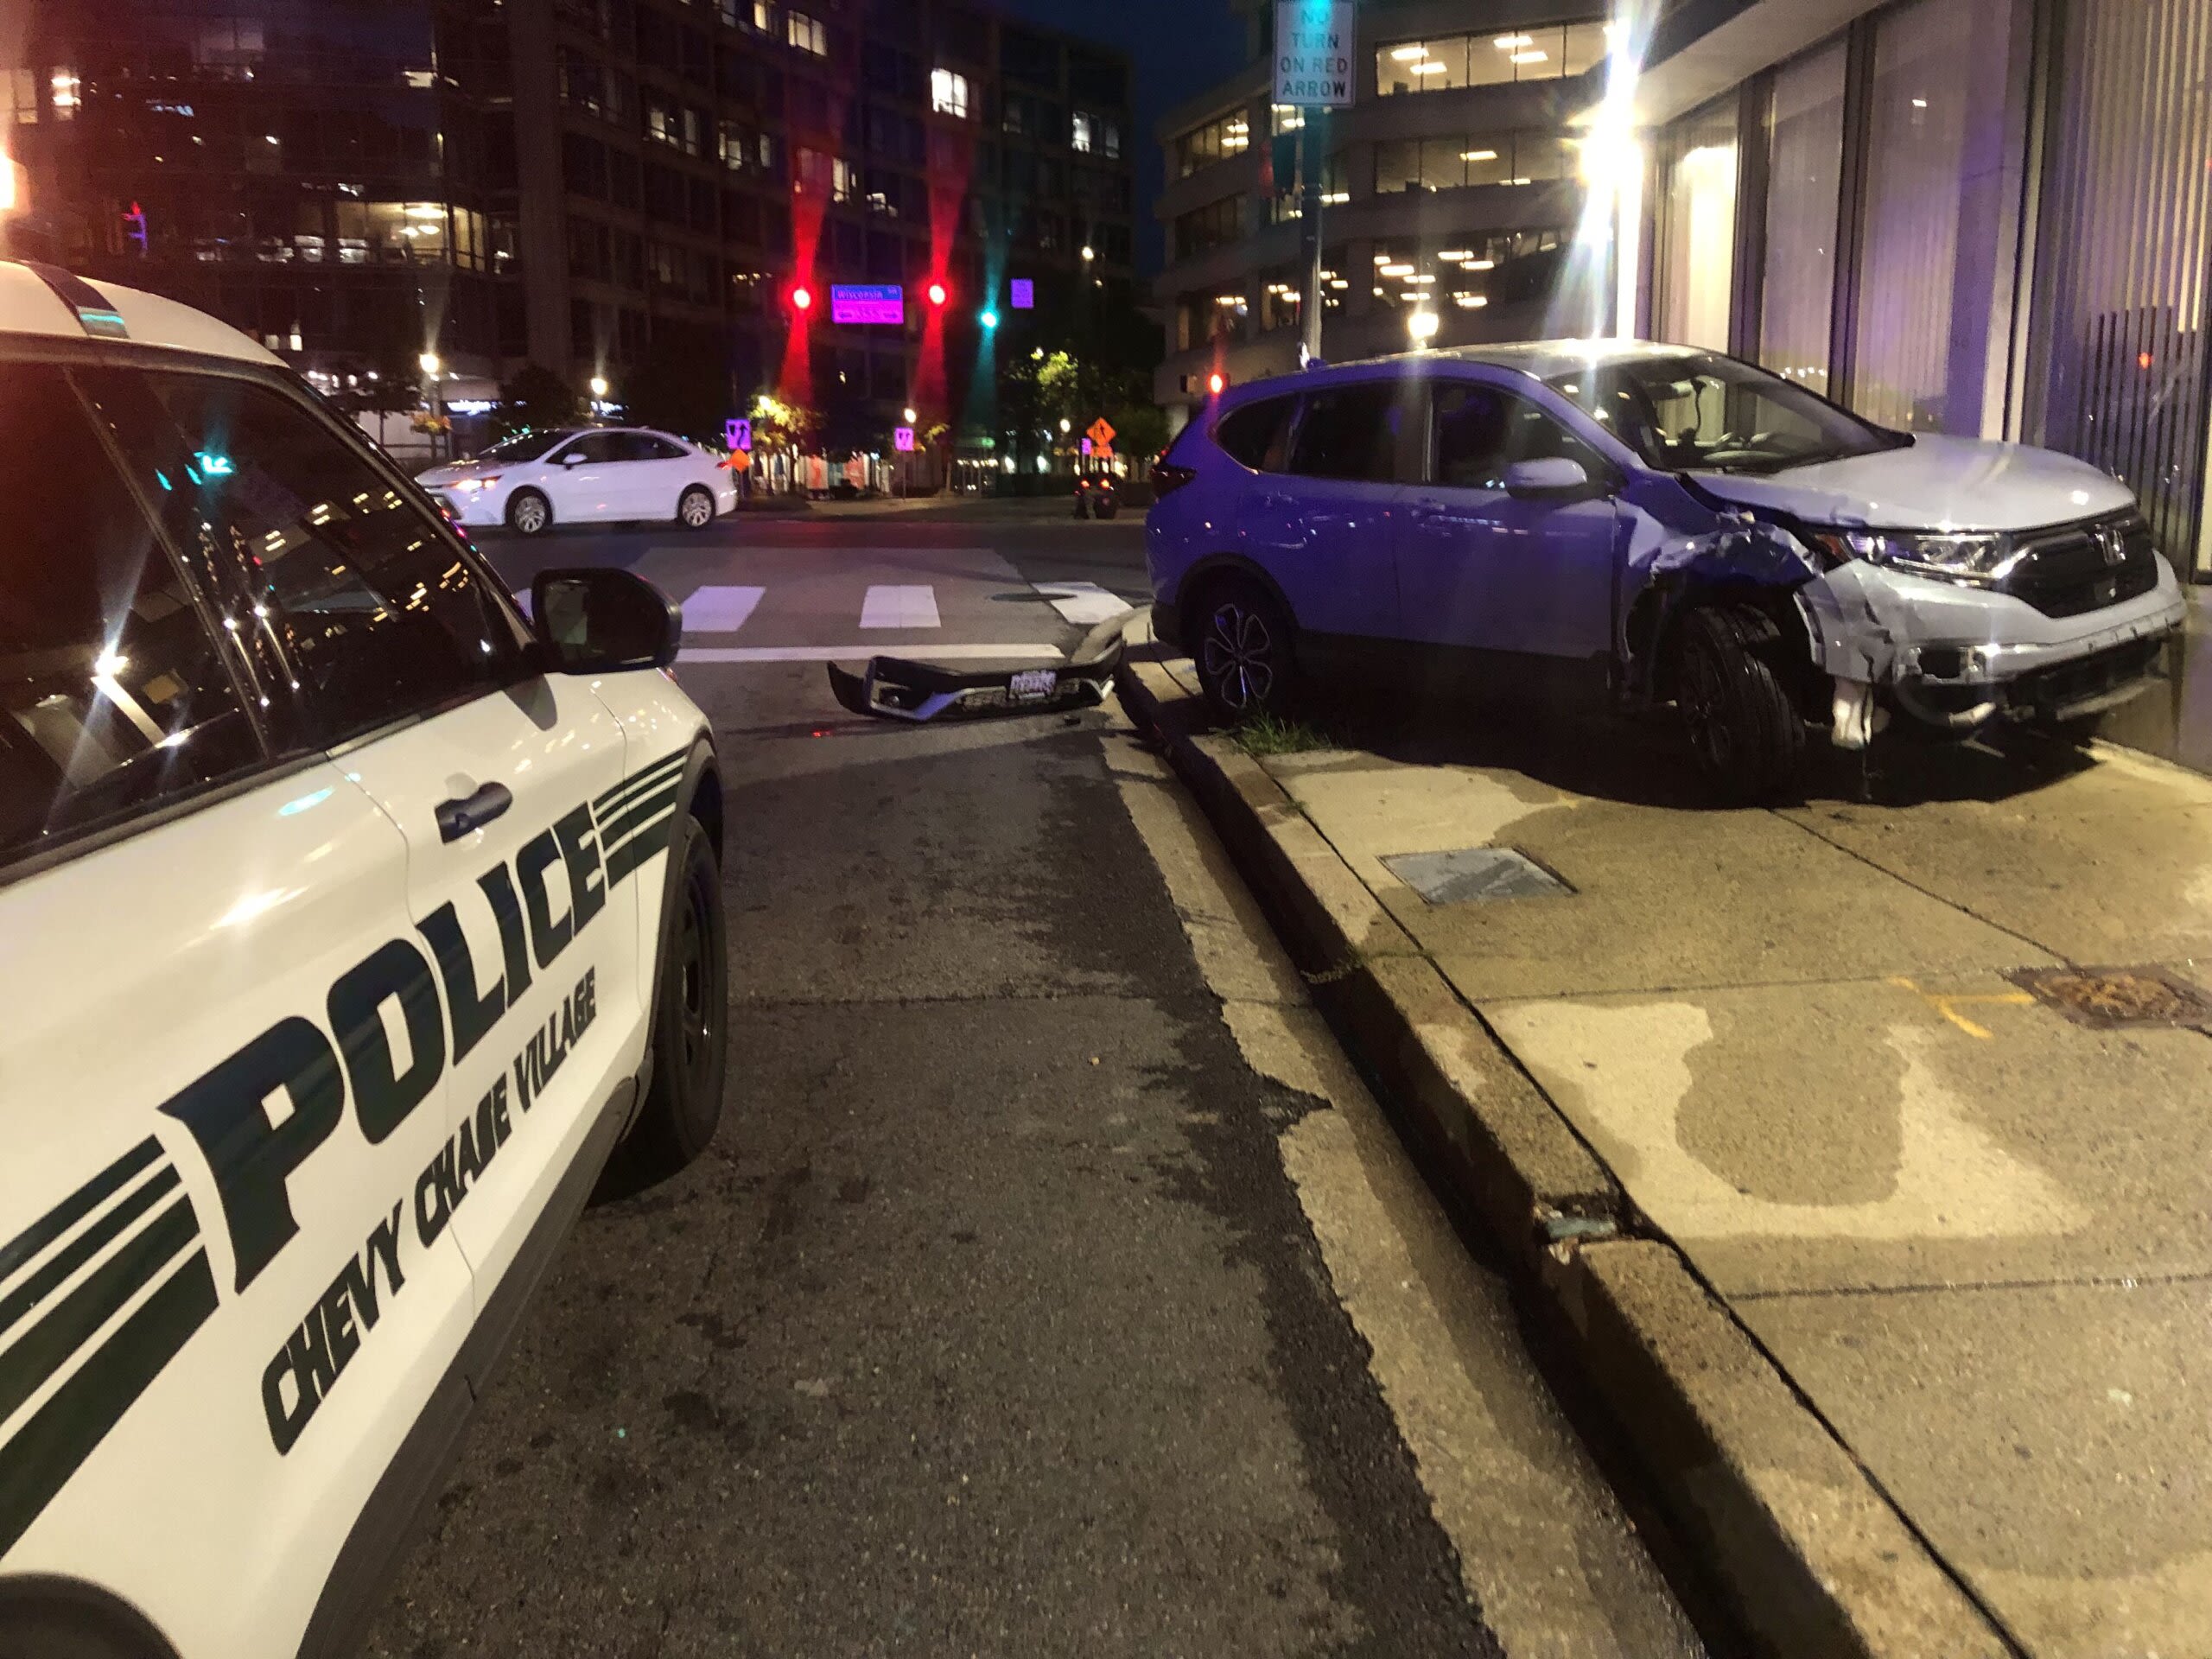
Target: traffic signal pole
(1311, 148)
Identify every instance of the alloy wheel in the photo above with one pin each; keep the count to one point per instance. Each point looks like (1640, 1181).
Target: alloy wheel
(1239, 657)
(1701, 698)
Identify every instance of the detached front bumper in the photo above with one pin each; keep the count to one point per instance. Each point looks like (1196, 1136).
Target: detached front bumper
(1951, 655)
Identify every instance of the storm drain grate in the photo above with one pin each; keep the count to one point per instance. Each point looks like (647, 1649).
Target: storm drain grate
(2109, 997)
(1474, 875)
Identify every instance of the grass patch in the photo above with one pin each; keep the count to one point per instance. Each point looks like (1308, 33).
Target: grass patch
(1266, 733)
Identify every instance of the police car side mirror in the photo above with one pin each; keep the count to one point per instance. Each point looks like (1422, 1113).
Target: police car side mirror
(598, 621)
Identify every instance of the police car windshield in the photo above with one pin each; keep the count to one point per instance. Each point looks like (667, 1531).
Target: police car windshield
(1695, 411)
(525, 446)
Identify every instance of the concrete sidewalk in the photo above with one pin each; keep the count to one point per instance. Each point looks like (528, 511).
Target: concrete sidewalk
(1966, 1228)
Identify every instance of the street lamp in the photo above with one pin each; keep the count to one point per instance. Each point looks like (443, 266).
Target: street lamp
(1066, 426)
(909, 414)
(428, 362)
(599, 387)
(1422, 326)
(1088, 254)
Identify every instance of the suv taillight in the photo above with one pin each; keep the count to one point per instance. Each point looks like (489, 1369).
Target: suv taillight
(1168, 478)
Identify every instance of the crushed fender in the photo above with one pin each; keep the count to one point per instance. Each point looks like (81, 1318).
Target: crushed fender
(893, 688)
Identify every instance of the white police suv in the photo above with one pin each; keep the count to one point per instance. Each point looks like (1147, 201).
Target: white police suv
(348, 922)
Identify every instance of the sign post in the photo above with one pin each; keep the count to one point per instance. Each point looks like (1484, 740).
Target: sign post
(1316, 42)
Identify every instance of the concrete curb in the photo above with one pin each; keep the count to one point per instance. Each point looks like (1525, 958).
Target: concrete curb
(1805, 1550)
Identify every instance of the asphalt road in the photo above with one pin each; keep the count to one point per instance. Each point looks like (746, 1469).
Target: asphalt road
(1053, 1286)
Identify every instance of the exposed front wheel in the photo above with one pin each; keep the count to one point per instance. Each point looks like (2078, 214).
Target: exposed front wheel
(1243, 647)
(690, 1019)
(529, 513)
(694, 510)
(1745, 730)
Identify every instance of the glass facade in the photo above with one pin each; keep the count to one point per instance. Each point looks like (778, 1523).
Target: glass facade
(1985, 218)
(2118, 359)
(1937, 176)
(1696, 249)
(1804, 134)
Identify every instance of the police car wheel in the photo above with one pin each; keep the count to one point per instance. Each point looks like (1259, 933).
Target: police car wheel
(691, 1031)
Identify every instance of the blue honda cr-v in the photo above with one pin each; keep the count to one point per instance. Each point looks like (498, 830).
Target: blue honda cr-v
(1686, 527)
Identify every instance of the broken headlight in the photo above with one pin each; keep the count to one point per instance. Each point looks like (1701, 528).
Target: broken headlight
(1946, 556)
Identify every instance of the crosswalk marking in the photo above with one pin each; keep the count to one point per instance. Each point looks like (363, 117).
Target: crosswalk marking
(900, 608)
(719, 610)
(856, 653)
(1085, 604)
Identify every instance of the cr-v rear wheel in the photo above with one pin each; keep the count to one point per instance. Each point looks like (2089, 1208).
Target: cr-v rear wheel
(1242, 646)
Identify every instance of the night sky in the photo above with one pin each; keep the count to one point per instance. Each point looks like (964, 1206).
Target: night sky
(1180, 48)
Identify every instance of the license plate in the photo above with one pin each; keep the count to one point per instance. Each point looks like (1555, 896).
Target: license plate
(1033, 685)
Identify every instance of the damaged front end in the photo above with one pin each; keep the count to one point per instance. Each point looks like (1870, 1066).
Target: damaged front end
(2031, 638)
(893, 688)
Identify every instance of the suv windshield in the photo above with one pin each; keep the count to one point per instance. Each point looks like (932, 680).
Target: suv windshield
(1701, 412)
(525, 446)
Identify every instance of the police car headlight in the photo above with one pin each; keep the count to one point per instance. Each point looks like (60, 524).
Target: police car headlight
(1973, 558)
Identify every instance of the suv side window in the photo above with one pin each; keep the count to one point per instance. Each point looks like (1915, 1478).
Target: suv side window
(1351, 432)
(358, 605)
(113, 696)
(1481, 430)
(1258, 434)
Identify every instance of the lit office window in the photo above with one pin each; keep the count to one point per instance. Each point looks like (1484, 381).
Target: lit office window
(1546, 52)
(949, 93)
(807, 34)
(1230, 135)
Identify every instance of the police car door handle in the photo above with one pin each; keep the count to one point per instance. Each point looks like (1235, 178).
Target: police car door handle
(465, 817)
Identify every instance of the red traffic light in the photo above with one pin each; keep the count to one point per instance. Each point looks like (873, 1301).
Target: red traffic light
(1216, 382)
(939, 294)
(802, 298)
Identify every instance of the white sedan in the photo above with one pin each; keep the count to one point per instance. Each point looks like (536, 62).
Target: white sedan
(535, 480)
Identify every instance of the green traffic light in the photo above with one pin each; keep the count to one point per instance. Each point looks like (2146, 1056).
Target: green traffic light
(989, 319)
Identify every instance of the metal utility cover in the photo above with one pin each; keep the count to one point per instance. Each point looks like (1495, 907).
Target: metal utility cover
(2108, 998)
(1474, 875)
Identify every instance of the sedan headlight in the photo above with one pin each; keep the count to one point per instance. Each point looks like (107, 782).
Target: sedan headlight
(1974, 557)
(482, 483)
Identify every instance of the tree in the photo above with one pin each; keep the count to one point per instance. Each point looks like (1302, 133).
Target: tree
(536, 398)
(681, 385)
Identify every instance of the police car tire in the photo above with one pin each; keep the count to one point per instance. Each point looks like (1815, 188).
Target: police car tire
(690, 1029)
(54, 1618)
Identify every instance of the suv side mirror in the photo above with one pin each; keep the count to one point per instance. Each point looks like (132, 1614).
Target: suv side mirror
(1554, 475)
(601, 621)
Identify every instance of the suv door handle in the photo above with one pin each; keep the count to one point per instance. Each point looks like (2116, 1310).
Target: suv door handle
(457, 818)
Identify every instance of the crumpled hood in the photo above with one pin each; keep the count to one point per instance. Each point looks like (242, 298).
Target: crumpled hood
(1939, 483)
